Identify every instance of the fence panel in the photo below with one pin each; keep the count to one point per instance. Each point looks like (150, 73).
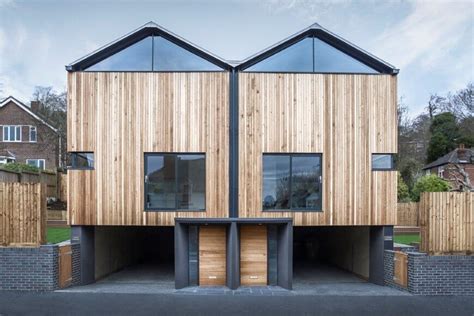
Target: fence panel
(65, 266)
(447, 222)
(22, 214)
(62, 183)
(9, 176)
(408, 214)
(400, 273)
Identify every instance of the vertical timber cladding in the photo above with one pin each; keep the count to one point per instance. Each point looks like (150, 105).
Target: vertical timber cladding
(253, 255)
(120, 116)
(212, 255)
(344, 117)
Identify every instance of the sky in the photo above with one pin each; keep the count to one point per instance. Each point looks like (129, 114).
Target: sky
(431, 42)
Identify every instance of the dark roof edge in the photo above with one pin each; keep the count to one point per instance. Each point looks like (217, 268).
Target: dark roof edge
(150, 28)
(329, 37)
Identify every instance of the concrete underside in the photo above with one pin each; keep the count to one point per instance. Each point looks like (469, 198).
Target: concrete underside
(308, 279)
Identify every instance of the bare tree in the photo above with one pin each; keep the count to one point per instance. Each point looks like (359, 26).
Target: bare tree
(460, 177)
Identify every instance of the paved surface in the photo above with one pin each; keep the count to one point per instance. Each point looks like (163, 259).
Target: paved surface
(89, 304)
(314, 279)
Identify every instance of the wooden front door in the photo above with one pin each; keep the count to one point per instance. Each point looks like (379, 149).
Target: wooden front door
(212, 255)
(253, 255)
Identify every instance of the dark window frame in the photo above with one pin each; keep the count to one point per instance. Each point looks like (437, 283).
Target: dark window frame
(291, 155)
(392, 162)
(73, 157)
(175, 154)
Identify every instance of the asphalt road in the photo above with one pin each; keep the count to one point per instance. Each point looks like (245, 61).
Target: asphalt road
(14, 303)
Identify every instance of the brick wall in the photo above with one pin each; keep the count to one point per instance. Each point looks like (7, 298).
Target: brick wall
(76, 263)
(30, 269)
(434, 275)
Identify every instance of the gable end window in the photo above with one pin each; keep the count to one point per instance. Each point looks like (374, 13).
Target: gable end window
(175, 181)
(292, 182)
(12, 133)
(382, 162)
(81, 160)
(33, 134)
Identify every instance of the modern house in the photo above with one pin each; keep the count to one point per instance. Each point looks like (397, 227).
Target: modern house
(457, 167)
(237, 174)
(26, 137)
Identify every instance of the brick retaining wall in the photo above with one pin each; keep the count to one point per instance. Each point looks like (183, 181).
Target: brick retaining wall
(434, 275)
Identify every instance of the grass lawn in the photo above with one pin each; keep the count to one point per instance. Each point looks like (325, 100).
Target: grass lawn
(406, 238)
(58, 234)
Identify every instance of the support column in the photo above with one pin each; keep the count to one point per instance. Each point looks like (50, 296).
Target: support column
(85, 235)
(285, 256)
(376, 249)
(181, 256)
(233, 256)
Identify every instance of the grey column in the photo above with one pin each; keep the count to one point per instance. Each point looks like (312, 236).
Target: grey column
(285, 256)
(85, 235)
(181, 253)
(233, 256)
(376, 250)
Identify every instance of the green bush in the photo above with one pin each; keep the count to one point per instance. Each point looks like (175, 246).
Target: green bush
(403, 194)
(19, 167)
(429, 183)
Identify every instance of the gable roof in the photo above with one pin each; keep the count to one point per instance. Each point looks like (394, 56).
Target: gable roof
(457, 156)
(150, 28)
(26, 109)
(332, 39)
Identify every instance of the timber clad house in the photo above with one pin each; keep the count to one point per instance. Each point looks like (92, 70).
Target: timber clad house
(235, 174)
(26, 137)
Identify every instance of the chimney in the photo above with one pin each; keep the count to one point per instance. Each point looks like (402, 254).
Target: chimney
(461, 146)
(34, 105)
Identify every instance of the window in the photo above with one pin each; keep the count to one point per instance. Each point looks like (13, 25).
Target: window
(383, 162)
(12, 133)
(33, 134)
(292, 182)
(154, 53)
(81, 160)
(38, 163)
(441, 171)
(311, 55)
(175, 182)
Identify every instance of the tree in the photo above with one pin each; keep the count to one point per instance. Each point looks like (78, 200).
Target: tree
(429, 183)
(445, 134)
(53, 108)
(403, 194)
(459, 176)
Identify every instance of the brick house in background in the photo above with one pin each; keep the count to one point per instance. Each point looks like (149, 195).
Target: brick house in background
(454, 167)
(26, 137)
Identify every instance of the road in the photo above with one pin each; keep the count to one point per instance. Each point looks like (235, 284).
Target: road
(53, 303)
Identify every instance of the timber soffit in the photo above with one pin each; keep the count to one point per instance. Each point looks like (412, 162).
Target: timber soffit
(334, 40)
(150, 28)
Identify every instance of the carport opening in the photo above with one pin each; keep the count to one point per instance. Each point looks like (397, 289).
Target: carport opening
(135, 254)
(324, 255)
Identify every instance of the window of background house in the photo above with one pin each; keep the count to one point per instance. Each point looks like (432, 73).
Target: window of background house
(175, 182)
(81, 160)
(33, 134)
(383, 162)
(292, 182)
(38, 163)
(12, 133)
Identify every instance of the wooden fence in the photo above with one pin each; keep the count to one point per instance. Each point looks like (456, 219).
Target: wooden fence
(56, 184)
(408, 214)
(22, 214)
(447, 222)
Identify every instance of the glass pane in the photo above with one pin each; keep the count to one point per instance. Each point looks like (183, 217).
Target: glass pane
(161, 182)
(330, 59)
(41, 164)
(191, 182)
(5, 133)
(305, 182)
(168, 56)
(31, 162)
(276, 182)
(380, 161)
(18, 133)
(137, 57)
(32, 134)
(296, 58)
(83, 160)
(11, 133)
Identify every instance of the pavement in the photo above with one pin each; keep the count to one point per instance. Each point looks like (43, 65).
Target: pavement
(56, 303)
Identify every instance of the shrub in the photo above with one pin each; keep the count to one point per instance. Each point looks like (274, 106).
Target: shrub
(429, 183)
(19, 167)
(402, 190)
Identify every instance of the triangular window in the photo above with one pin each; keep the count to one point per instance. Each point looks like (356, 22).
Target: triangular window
(168, 56)
(311, 55)
(296, 58)
(137, 57)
